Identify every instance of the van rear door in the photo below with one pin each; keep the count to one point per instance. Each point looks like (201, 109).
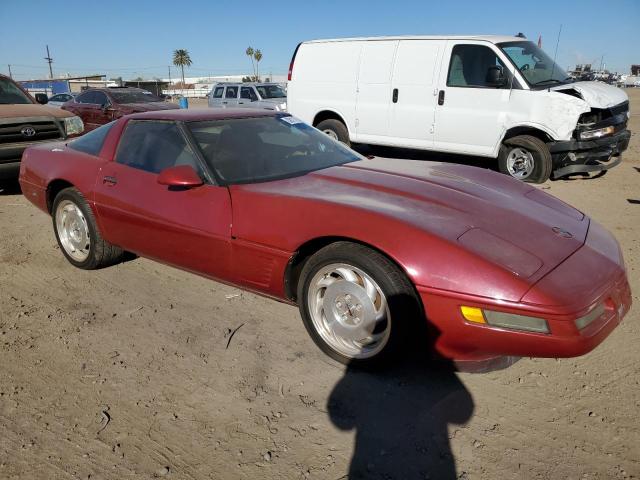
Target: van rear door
(374, 90)
(470, 112)
(414, 90)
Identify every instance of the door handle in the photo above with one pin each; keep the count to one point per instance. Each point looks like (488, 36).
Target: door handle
(394, 97)
(224, 103)
(441, 97)
(109, 180)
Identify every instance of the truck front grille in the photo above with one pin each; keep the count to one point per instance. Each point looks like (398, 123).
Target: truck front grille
(29, 132)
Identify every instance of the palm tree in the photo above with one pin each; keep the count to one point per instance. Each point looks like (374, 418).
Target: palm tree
(249, 52)
(258, 57)
(181, 59)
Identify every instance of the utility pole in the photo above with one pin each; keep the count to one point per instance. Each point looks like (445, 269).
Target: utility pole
(10, 76)
(49, 61)
(169, 67)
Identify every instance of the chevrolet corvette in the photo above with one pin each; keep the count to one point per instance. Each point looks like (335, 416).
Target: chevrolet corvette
(369, 249)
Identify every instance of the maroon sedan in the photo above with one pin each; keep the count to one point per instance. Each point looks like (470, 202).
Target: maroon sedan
(368, 249)
(99, 106)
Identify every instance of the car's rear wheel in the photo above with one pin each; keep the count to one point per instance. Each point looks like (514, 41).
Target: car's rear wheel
(526, 158)
(77, 233)
(356, 304)
(335, 129)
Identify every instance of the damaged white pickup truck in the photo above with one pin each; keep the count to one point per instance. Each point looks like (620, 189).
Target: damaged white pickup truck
(493, 96)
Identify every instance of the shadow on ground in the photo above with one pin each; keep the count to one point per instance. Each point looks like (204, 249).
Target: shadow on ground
(401, 418)
(10, 188)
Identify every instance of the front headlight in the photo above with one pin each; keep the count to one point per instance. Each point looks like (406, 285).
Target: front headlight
(73, 125)
(505, 320)
(600, 132)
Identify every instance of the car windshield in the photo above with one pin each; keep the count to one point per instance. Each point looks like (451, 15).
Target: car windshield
(259, 149)
(11, 94)
(135, 96)
(271, 91)
(536, 66)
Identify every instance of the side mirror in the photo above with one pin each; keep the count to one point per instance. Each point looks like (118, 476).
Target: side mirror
(495, 77)
(42, 98)
(182, 176)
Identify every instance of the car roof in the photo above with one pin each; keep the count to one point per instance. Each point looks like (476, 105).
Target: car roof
(203, 114)
(486, 38)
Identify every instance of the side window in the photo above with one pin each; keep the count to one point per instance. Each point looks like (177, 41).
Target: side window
(100, 98)
(232, 92)
(248, 93)
(87, 97)
(217, 93)
(91, 142)
(153, 146)
(470, 65)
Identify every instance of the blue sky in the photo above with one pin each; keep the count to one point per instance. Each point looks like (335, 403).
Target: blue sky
(136, 38)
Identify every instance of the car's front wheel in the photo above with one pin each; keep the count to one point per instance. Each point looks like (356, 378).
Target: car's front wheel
(77, 233)
(356, 304)
(526, 158)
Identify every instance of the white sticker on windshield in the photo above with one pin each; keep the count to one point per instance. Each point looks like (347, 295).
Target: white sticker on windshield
(291, 120)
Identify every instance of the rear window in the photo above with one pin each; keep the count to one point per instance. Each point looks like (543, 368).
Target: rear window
(251, 150)
(91, 142)
(11, 94)
(136, 96)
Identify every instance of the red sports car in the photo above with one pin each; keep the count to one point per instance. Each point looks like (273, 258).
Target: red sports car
(369, 249)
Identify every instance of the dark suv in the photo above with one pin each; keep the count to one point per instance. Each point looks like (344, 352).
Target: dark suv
(23, 122)
(98, 106)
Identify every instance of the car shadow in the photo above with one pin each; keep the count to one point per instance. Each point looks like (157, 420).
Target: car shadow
(427, 156)
(10, 187)
(401, 418)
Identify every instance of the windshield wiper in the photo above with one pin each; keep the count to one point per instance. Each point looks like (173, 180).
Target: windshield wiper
(555, 80)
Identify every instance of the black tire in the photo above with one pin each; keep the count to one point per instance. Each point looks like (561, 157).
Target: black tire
(542, 162)
(404, 306)
(100, 253)
(338, 128)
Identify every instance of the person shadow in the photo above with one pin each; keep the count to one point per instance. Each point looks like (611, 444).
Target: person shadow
(401, 419)
(401, 412)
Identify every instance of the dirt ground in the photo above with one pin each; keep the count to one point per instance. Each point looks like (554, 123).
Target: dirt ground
(133, 372)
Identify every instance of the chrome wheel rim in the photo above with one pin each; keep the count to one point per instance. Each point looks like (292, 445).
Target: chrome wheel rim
(520, 163)
(349, 310)
(73, 230)
(332, 134)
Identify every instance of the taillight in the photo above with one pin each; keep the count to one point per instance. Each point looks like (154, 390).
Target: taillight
(293, 59)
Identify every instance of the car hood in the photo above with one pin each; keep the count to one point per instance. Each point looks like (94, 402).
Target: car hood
(507, 222)
(29, 111)
(596, 94)
(149, 107)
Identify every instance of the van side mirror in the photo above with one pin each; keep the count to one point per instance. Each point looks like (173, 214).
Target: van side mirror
(495, 77)
(42, 98)
(182, 176)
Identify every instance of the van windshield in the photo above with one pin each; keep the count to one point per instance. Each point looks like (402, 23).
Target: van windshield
(538, 69)
(10, 94)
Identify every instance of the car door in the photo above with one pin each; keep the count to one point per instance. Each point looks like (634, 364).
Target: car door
(374, 92)
(231, 96)
(188, 228)
(470, 112)
(247, 96)
(104, 113)
(215, 100)
(413, 103)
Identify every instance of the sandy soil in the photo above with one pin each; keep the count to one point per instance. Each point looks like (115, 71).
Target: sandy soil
(128, 372)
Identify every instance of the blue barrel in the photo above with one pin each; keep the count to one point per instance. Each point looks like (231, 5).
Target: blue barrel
(183, 102)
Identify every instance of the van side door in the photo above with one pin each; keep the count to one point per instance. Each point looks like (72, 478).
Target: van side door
(414, 92)
(374, 93)
(471, 111)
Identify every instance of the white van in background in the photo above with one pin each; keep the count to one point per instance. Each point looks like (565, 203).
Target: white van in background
(493, 96)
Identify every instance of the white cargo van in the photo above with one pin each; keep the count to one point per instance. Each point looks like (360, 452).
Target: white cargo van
(492, 96)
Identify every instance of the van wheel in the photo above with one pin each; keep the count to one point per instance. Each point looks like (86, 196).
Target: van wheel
(336, 130)
(526, 158)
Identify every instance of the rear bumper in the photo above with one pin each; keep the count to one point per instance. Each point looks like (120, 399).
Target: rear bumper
(574, 156)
